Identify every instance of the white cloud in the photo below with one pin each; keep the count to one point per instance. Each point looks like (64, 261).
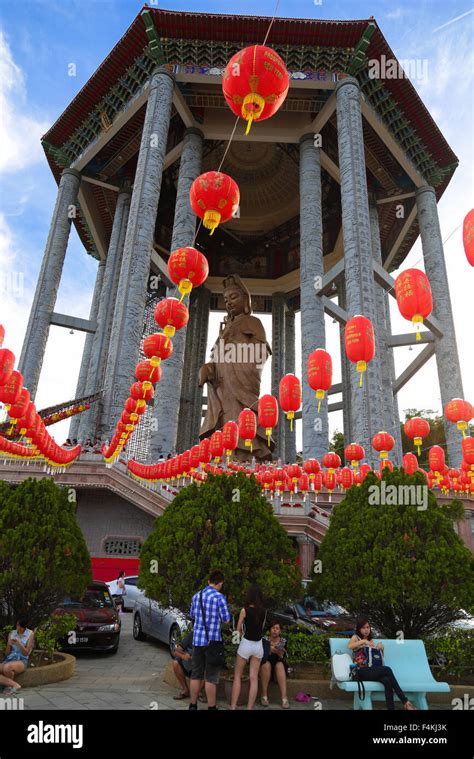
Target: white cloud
(20, 132)
(396, 14)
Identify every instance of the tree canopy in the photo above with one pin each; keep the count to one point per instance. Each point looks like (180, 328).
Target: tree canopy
(43, 554)
(225, 524)
(402, 566)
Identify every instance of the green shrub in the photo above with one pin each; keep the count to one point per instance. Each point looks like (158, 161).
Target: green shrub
(43, 554)
(49, 633)
(223, 524)
(453, 651)
(402, 567)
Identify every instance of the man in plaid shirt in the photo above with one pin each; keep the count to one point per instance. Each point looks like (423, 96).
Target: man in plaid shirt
(216, 612)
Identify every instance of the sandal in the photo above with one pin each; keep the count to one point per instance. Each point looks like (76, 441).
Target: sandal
(180, 696)
(264, 701)
(285, 703)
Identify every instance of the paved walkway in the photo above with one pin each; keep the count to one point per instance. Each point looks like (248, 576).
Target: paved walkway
(128, 680)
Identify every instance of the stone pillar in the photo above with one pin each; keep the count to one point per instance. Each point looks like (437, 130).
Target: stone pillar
(190, 412)
(37, 331)
(306, 555)
(166, 410)
(74, 427)
(289, 438)
(315, 426)
(345, 372)
(278, 368)
(99, 347)
(447, 360)
(382, 334)
(127, 327)
(366, 401)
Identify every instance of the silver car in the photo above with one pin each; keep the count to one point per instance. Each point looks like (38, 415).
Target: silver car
(164, 624)
(133, 592)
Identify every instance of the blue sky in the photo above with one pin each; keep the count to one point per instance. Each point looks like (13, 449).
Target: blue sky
(40, 38)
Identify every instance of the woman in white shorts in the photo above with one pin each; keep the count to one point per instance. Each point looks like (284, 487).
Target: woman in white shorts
(251, 623)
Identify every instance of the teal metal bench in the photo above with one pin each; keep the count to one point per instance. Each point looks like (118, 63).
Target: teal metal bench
(410, 666)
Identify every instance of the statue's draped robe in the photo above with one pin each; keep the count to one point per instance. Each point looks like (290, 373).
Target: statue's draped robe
(237, 383)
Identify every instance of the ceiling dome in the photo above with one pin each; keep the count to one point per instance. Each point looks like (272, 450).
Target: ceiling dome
(268, 180)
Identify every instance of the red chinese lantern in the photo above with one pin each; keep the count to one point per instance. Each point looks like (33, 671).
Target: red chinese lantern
(247, 427)
(290, 396)
(185, 462)
(436, 459)
(416, 429)
(7, 364)
(142, 391)
(205, 451)
(386, 464)
(157, 347)
(468, 236)
(359, 341)
(410, 463)
(268, 414)
(414, 299)
(187, 268)
(329, 479)
(460, 413)
(311, 467)
(11, 390)
(195, 456)
(468, 451)
(319, 373)
(317, 483)
(347, 478)
(146, 372)
(382, 442)
(230, 437)
(268, 479)
(214, 198)
(18, 409)
(294, 473)
(331, 461)
(27, 419)
(217, 445)
(130, 406)
(354, 453)
(303, 483)
(255, 83)
(170, 314)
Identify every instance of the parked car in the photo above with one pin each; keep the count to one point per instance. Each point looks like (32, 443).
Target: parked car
(164, 624)
(132, 594)
(325, 617)
(98, 623)
(287, 617)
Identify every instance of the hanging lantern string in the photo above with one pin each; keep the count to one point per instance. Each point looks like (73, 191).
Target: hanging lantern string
(271, 22)
(238, 119)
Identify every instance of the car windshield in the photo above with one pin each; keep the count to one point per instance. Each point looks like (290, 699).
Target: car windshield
(93, 598)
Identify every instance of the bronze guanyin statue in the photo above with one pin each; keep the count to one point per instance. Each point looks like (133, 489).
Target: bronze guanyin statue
(234, 373)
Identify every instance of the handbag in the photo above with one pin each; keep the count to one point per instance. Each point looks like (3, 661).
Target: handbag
(215, 656)
(341, 666)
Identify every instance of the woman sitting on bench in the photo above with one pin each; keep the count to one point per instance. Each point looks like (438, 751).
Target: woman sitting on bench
(368, 656)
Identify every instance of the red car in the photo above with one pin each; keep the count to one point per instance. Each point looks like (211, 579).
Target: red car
(98, 623)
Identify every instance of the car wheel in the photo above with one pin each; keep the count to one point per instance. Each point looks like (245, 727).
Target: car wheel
(175, 635)
(137, 628)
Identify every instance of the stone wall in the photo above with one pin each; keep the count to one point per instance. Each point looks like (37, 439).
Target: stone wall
(101, 514)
